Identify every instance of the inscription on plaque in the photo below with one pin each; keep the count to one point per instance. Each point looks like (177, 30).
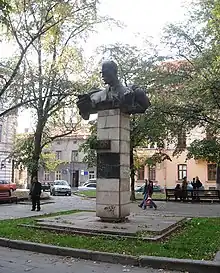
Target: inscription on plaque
(108, 165)
(101, 145)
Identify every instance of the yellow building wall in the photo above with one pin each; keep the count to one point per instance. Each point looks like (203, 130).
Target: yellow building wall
(167, 171)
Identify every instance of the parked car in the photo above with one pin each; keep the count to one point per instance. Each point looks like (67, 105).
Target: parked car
(93, 180)
(60, 187)
(87, 187)
(157, 188)
(45, 186)
(6, 185)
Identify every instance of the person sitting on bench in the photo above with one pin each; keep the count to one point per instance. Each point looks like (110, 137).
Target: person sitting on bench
(178, 192)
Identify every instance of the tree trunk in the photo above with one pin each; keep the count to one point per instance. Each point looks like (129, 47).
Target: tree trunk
(218, 177)
(37, 151)
(132, 198)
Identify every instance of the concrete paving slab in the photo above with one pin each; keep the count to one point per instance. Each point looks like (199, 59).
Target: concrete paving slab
(87, 221)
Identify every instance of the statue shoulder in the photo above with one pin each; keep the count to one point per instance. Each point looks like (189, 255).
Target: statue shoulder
(135, 87)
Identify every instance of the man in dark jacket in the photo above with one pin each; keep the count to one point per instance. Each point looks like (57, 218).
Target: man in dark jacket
(35, 193)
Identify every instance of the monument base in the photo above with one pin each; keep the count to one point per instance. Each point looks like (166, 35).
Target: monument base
(112, 220)
(86, 223)
(113, 166)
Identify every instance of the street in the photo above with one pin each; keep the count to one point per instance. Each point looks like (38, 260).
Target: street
(17, 261)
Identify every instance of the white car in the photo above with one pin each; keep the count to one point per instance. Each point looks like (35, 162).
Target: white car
(93, 180)
(60, 187)
(87, 187)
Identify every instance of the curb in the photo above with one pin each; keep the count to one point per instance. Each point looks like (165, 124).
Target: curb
(71, 252)
(192, 266)
(217, 257)
(186, 265)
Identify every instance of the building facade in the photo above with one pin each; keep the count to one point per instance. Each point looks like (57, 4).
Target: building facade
(169, 173)
(72, 169)
(8, 126)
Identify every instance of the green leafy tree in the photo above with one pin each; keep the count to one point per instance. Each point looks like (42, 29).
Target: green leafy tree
(90, 157)
(5, 8)
(51, 94)
(23, 151)
(23, 23)
(195, 45)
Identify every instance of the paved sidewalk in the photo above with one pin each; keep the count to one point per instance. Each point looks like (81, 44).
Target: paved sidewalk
(61, 203)
(16, 261)
(182, 209)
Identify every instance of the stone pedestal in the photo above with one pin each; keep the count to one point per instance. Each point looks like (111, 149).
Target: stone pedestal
(113, 166)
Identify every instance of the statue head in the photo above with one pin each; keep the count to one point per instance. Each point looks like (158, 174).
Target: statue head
(109, 72)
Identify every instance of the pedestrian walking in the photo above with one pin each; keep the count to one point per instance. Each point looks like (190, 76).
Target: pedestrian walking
(149, 200)
(145, 193)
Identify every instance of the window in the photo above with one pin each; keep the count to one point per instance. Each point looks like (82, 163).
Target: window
(152, 172)
(182, 171)
(140, 173)
(46, 176)
(91, 186)
(74, 156)
(91, 175)
(58, 155)
(211, 172)
(58, 175)
(181, 140)
(0, 133)
(62, 182)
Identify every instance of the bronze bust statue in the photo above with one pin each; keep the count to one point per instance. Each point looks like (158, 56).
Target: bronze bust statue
(130, 99)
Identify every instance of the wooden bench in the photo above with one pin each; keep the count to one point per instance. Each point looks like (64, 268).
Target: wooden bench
(194, 195)
(5, 196)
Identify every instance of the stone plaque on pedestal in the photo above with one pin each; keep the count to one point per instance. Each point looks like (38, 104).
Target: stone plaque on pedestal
(113, 166)
(109, 165)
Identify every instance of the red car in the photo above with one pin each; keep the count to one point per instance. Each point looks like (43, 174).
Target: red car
(6, 185)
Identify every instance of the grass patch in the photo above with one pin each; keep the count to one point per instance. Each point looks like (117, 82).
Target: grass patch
(198, 239)
(156, 195)
(91, 193)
